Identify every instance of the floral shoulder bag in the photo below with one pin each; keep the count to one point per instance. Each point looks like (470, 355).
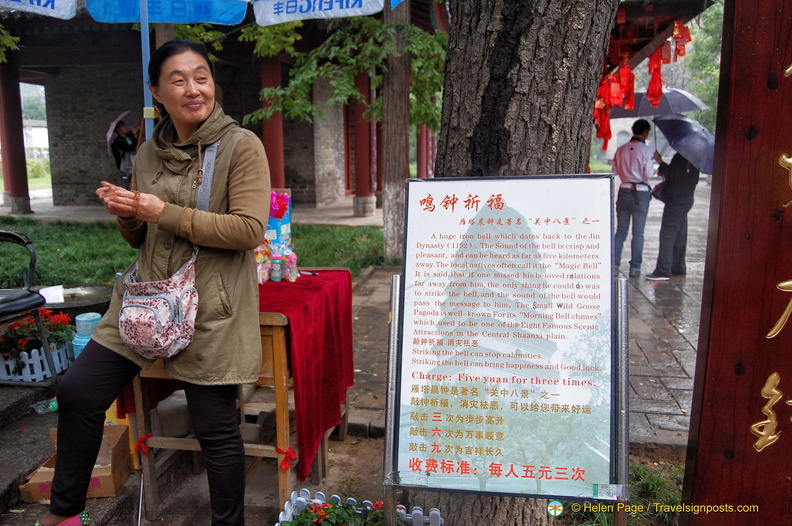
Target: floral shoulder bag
(157, 318)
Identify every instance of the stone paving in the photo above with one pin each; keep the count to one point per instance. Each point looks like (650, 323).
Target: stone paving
(663, 333)
(663, 328)
(663, 325)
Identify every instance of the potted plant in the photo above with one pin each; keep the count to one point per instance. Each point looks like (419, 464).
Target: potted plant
(20, 346)
(302, 510)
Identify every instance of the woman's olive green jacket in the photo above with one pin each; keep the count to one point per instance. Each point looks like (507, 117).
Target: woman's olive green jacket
(226, 348)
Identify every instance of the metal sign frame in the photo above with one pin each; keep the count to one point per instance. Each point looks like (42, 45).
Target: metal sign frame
(544, 204)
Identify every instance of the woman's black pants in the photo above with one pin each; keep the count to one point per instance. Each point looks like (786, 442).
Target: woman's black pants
(87, 390)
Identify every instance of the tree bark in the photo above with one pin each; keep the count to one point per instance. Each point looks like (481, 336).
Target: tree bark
(395, 130)
(465, 509)
(520, 83)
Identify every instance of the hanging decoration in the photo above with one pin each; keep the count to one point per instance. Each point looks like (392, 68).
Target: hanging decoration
(681, 37)
(666, 52)
(616, 89)
(627, 82)
(654, 93)
(602, 113)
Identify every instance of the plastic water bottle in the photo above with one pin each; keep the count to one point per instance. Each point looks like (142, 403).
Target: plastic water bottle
(86, 323)
(43, 407)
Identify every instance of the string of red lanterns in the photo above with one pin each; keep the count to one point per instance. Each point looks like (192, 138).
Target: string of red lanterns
(618, 88)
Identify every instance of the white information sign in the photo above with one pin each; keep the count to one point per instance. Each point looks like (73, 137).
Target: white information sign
(271, 12)
(506, 336)
(64, 9)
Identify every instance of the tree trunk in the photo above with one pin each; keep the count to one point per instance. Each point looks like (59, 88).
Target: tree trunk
(395, 130)
(466, 509)
(520, 83)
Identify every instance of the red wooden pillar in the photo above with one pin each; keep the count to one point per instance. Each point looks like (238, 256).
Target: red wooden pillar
(273, 127)
(12, 137)
(432, 152)
(379, 164)
(364, 201)
(422, 154)
(740, 429)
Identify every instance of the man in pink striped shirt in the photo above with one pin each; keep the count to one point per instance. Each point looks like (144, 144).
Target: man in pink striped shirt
(634, 164)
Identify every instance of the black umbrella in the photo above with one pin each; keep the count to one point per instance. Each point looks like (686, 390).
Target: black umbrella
(689, 138)
(674, 100)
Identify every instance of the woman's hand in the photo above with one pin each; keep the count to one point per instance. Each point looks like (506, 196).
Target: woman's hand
(127, 203)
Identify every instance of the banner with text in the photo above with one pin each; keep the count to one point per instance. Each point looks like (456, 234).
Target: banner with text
(271, 12)
(223, 12)
(64, 9)
(506, 336)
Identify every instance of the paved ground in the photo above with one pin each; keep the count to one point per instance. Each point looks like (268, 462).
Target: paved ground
(663, 323)
(663, 327)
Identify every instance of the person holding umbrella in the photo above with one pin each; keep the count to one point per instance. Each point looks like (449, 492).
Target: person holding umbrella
(634, 164)
(681, 178)
(124, 146)
(159, 217)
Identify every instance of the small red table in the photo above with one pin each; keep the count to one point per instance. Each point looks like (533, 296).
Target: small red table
(306, 335)
(319, 313)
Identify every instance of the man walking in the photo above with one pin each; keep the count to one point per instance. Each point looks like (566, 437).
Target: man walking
(634, 164)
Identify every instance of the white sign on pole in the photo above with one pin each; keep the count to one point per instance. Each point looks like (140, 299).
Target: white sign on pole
(271, 12)
(506, 337)
(64, 9)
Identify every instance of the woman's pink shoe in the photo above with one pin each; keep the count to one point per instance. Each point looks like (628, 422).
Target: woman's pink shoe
(78, 520)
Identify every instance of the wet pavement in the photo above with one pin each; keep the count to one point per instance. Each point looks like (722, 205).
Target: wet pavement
(663, 323)
(663, 333)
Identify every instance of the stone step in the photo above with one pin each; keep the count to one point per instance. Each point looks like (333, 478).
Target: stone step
(15, 402)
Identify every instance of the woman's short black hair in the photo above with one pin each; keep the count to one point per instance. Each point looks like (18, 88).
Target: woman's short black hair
(169, 49)
(640, 126)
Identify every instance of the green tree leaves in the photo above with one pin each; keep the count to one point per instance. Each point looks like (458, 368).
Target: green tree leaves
(353, 46)
(7, 41)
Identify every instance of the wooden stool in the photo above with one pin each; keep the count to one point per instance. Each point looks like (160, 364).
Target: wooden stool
(275, 373)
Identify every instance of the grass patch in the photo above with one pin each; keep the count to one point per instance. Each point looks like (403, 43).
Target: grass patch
(598, 167)
(81, 253)
(353, 247)
(39, 176)
(66, 252)
(652, 487)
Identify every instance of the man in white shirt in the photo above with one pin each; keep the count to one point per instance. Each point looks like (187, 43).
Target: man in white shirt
(634, 164)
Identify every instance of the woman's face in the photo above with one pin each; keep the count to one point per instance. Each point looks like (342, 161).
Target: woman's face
(186, 89)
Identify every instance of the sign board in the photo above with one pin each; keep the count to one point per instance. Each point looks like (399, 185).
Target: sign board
(63, 9)
(271, 12)
(223, 12)
(505, 376)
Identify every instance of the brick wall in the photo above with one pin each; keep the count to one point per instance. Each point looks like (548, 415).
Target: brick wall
(298, 146)
(328, 147)
(83, 101)
(81, 104)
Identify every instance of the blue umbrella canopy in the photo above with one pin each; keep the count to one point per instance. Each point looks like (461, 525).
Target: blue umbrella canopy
(674, 100)
(690, 138)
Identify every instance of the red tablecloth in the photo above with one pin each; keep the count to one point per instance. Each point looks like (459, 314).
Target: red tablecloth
(319, 309)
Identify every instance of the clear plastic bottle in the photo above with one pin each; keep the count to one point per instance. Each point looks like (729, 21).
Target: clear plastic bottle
(43, 407)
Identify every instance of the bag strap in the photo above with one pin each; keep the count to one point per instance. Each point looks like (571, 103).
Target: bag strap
(205, 188)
